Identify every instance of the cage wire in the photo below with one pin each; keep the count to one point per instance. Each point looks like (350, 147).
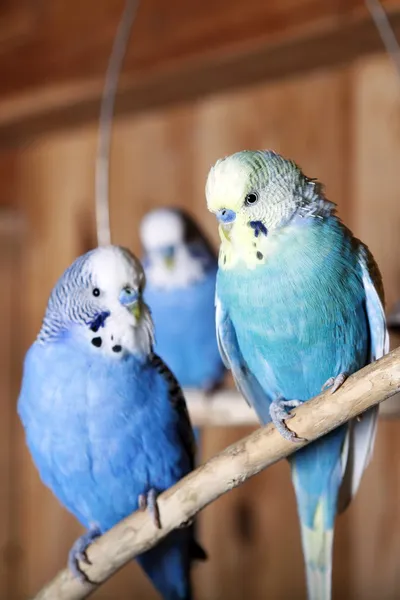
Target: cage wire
(385, 30)
(102, 167)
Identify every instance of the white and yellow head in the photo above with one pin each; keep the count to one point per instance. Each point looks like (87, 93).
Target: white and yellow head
(255, 195)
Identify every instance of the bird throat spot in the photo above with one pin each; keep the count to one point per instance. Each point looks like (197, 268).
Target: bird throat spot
(98, 342)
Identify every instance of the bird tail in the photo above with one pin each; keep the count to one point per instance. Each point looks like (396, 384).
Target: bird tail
(318, 555)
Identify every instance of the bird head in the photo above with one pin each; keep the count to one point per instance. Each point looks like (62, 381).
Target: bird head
(176, 253)
(255, 196)
(162, 232)
(99, 297)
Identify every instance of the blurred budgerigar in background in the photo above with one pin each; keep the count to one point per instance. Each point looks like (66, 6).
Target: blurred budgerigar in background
(299, 307)
(181, 269)
(105, 420)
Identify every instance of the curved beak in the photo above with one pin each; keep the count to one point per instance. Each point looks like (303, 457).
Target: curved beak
(226, 218)
(131, 301)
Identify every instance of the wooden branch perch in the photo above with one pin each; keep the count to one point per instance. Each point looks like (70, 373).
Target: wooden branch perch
(224, 408)
(225, 471)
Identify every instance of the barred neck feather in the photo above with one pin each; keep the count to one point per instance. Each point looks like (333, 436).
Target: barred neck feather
(246, 246)
(114, 334)
(63, 306)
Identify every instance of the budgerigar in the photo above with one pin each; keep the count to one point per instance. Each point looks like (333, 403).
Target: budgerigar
(105, 420)
(181, 271)
(299, 307)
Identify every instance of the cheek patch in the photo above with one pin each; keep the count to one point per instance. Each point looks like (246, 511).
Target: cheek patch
(258, 228)
(99, 321)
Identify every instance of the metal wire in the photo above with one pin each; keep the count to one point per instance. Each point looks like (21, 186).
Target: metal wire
(102, 166)
(385, 30)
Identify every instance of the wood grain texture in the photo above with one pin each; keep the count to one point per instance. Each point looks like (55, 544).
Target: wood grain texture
(325, 121)
(162, 158)
(375, 217)
(52, 75)
(10, 256)
(55, 196)
(225, 471)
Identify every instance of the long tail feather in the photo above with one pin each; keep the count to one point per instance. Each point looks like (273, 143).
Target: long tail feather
(318, 554)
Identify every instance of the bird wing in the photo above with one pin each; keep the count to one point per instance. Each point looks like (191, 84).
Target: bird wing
(245, 381)
(361, 439)
(178, 402)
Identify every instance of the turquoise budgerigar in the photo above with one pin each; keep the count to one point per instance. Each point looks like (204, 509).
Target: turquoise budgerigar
(105, 420)
(299, 307)
(181, 270)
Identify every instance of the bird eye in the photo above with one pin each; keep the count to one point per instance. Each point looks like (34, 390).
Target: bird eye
(251, 199)
(96, 292)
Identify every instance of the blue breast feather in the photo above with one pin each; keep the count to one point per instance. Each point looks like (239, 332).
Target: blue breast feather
(101, 431)
(184, 321)
(301, 319)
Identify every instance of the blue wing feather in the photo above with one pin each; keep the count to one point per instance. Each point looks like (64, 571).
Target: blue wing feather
(246, 382)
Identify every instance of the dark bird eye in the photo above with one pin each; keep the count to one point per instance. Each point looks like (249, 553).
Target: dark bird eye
(251, 199)
(96, 292)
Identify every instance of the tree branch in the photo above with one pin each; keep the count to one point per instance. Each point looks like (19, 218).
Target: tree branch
(227, 470)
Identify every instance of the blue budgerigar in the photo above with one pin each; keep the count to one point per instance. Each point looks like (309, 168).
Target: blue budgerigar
(105, 420)
(181, 270)
(299, 307)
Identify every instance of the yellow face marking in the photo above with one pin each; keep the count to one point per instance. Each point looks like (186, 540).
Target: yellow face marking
(136, 310)
(239, 245)
(225, 233)
(169, 262)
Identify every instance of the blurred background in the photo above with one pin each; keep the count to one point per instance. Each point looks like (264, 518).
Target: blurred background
(201, 79)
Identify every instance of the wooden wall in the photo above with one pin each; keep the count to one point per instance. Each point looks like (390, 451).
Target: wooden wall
(342, 126)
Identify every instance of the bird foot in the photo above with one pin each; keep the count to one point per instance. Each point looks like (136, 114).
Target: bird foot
(78, 554)
(279, 414)
(335, 382)
(149, 502)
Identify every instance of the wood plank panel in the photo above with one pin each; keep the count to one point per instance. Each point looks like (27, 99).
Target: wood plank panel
(55, 191)
(339, 126)
(52, 76)
(9, 265)
(163, 158)
(375, 517)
